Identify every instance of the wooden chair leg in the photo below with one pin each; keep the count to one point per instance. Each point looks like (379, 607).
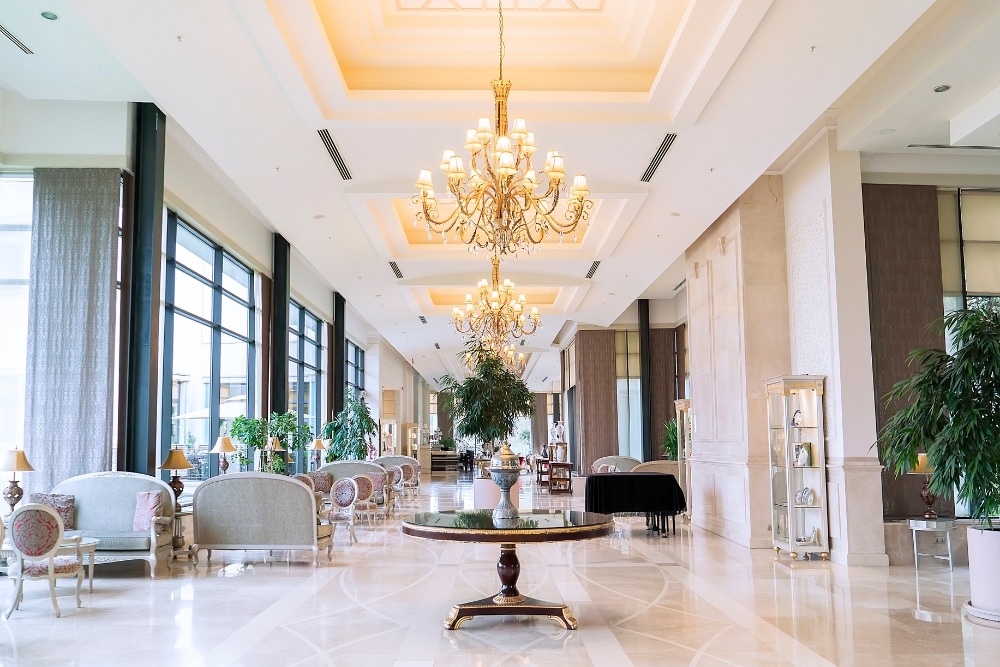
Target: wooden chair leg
(52, 592)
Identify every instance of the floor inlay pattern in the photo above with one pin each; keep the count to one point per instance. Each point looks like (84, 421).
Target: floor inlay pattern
(692, 599)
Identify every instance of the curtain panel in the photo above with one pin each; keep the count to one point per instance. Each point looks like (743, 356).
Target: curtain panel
(69, 383)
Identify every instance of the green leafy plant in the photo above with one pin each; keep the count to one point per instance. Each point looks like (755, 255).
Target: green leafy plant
(447, 444)
(487, 404)
(350, 431)
(670, 439)
(255, 433)
(953, 413)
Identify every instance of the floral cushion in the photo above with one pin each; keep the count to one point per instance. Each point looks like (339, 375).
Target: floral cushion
(397, 474)
(366, 487)
(40, 568)
(64, 505)
(408, 472)
(322, 481)
(147, 506)
(344, 492)
(305, 479)
(340, 516)
(35, 532)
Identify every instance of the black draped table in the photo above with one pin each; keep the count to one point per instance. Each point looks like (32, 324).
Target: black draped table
(655, 494)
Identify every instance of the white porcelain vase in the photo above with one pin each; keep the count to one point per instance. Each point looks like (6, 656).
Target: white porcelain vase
(984, 573)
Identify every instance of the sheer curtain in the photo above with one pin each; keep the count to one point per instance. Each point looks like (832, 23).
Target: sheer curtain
(71, 322)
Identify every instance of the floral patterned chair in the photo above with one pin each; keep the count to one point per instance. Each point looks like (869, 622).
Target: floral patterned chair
(344, 495)
(380, 494)
(364, 506)
(409, 480)
(395, 486)
(36, 534)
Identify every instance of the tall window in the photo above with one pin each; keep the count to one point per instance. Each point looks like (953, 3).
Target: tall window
(629, 394)
(16, 197)
(305, 365)
(355, 371)
(208, 344)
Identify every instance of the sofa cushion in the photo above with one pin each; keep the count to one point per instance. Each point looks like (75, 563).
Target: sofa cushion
(322, 481)
(147, 505)
(63, 504)
(119, 540)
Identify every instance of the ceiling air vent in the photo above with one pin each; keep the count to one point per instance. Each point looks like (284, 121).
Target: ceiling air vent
(18, 43)
(658, 158)
(680, 284)
(423, 320)
(523, 342)
(395, 269)
(437, 346)
(545, 378)
(593, 269)
(967, 148)
(334, 152)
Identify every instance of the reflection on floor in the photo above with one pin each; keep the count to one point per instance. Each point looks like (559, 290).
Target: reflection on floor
(692, 599)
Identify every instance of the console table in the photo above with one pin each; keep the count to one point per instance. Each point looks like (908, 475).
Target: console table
(656, 494)
(536, 526)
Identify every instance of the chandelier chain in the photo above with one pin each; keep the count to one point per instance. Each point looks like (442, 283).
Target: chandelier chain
(500, 5)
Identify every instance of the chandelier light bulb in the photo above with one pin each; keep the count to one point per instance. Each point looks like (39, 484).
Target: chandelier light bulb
(498, 314)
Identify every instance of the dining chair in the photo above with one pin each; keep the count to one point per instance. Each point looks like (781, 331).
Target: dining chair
(343, 495)
(364, 506)
(36, 534)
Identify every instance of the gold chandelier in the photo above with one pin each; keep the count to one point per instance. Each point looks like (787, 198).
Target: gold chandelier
(495, 205)
(497, 316)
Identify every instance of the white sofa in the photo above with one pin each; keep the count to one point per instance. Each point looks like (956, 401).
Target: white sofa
(104, 510)
(257, 511)
(623, 463)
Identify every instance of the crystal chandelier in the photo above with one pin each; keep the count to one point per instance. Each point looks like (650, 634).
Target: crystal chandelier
(495, 205)
(497, 316)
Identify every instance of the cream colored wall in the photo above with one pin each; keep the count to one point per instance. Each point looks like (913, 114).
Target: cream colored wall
(738, 337)
(830, 335)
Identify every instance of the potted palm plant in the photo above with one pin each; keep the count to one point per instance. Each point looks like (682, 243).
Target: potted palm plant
(953, 414)
(350, 431)
(257, 434)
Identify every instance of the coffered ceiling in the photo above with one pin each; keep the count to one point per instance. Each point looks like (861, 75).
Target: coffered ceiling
(742, 83)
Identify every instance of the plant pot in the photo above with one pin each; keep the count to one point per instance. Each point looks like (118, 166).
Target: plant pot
(984, 574)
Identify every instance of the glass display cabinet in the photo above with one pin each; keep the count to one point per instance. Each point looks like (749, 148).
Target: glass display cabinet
(682, 409)
(799, 514)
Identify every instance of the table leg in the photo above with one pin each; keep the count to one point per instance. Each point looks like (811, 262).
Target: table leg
(91, 568)
(916, 556)
(509, 601)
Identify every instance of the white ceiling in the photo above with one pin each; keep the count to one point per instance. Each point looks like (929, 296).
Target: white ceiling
(741, 82)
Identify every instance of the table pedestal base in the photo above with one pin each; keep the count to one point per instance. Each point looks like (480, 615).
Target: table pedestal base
(509, 602)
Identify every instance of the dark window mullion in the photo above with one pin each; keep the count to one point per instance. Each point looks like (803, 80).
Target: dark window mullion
(215, 382)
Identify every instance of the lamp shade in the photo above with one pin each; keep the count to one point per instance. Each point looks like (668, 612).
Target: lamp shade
(175, 461)
(16, 460)
(223, 445)
(318, 445)
(276, 445)
(923, 467)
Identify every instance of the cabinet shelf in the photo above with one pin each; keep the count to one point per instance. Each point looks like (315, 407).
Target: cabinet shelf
(797, 527)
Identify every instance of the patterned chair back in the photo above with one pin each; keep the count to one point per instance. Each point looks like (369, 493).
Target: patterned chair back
(344, 492)
(366, 487)
(604, 467)
(408, 471)
(322, 481)
(36, 530)
(305, 479)
(378, 482)
(397, 475)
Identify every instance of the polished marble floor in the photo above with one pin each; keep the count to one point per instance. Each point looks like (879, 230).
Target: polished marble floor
(692, 599)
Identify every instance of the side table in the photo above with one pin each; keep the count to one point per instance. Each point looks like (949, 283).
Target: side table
(177, 542)
(933, 526)
(561, 478)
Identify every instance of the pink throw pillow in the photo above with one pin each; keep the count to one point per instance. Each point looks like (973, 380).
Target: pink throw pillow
(64, 505)
(147, 506)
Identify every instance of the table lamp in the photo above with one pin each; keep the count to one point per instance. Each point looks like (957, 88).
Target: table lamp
(318, 446)
(15, 461)
(925, 469)
(276, 445)
(176, 461)
(223, 446)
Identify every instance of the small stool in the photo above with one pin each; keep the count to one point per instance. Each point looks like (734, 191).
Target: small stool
(933, 526)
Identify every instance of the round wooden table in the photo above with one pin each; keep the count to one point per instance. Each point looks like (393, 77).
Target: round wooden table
(536, 526)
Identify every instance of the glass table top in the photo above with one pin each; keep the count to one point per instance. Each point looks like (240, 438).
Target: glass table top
(534, 526)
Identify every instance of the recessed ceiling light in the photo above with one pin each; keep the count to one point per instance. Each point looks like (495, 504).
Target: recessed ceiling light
(674, 214)
(318, 217)
(51, 16)
(106, 71)
(942, 88)
(886, 131)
